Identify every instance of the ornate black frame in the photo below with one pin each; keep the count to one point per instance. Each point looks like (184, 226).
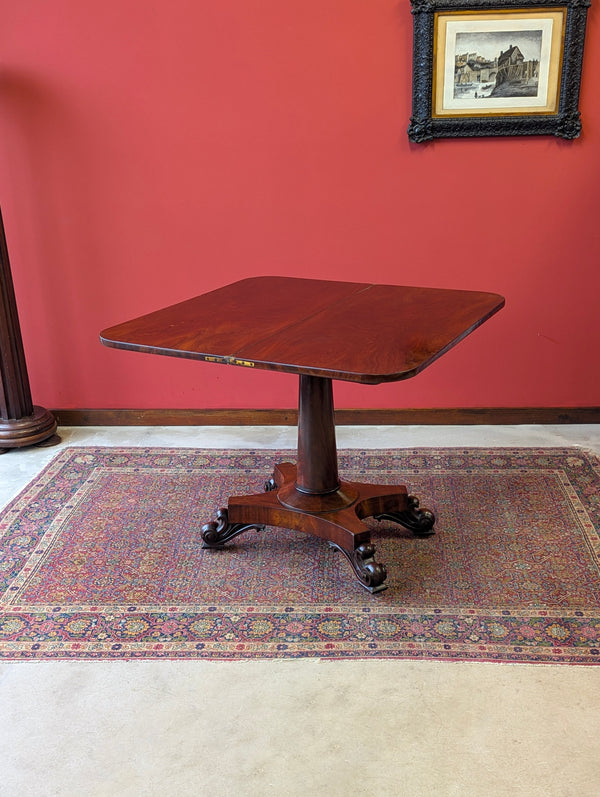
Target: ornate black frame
(564, 124)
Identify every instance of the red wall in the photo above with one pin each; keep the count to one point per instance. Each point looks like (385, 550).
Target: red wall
(151, 150)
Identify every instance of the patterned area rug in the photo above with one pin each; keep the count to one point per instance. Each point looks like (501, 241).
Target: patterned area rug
(101, 558)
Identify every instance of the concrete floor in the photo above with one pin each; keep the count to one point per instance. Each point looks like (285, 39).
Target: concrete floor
(294, 727)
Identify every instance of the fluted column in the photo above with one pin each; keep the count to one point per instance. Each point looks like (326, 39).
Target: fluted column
(21, 423)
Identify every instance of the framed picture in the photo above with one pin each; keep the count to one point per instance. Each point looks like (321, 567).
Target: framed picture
(496, 68)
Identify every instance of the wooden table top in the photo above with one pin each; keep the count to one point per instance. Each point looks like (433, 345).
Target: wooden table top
(352, 331)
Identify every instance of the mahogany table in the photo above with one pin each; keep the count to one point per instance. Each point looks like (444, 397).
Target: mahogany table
(321, 330)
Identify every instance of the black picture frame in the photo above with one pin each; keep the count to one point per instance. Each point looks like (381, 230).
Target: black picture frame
(431, 118)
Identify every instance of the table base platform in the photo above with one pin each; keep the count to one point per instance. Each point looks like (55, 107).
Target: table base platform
(335, 516)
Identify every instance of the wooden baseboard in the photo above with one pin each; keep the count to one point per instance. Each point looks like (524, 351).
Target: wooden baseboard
(343, 417)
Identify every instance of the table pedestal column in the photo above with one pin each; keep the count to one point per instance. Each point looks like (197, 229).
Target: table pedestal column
(317, 453)
(21, 423)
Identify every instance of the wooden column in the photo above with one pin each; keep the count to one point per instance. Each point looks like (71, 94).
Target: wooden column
(317, 453)
(21, 423)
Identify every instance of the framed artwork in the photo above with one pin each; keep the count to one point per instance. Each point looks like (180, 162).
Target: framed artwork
(496, 68)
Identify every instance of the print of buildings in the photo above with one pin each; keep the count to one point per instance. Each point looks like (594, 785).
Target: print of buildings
(509, 67)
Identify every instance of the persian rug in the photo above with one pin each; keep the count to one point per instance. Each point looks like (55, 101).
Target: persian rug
(101, 558)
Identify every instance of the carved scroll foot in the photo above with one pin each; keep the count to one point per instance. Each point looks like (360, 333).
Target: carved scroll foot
(369, 573)
(419, 520)
(216, 533)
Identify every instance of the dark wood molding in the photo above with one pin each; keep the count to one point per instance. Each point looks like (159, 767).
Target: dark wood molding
(345, 417)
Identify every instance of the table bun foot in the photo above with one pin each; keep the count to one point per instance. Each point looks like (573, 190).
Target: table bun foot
(216, 533)
(369, 573)
(417, 519)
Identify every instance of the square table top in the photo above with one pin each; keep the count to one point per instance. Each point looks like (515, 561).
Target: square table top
(357, 332)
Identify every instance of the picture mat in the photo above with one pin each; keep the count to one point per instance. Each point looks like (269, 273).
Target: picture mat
(447, 26)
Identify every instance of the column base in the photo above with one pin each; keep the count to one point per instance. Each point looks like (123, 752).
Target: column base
(28, 431)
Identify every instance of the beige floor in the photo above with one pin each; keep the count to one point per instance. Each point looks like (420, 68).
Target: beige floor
(297, 727)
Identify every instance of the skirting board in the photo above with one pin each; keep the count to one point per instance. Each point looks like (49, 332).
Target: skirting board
(343, 417)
